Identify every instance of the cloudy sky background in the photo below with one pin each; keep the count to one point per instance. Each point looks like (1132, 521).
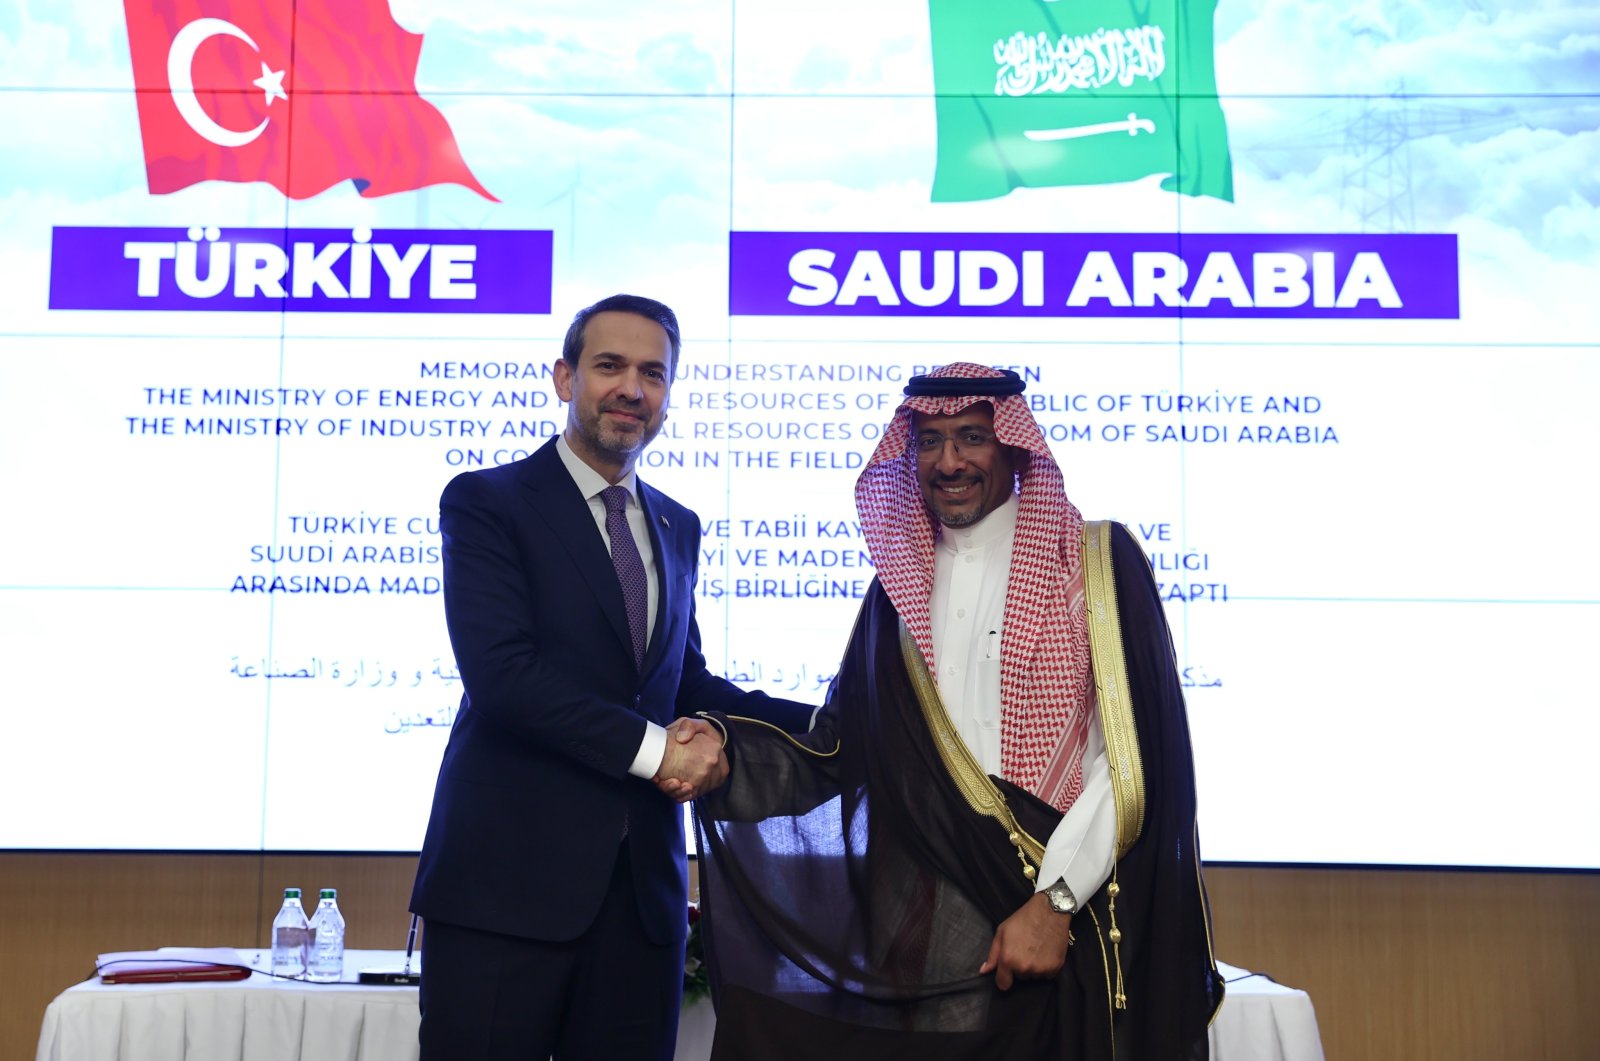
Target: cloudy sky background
(618, 116)
(641, 133)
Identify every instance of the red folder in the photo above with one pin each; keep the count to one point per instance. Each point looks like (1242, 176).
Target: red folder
(170, 965)
(166, 973)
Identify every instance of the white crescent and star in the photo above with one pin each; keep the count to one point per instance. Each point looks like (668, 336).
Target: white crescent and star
(180, 81)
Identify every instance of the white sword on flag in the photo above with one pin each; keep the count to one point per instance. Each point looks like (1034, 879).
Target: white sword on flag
(1133, 127)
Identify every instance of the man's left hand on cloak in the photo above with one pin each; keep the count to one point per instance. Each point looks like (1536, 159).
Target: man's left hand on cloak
(1030, 944)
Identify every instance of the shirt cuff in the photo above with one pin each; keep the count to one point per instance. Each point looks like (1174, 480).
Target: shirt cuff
(652, 750)
(1082, 848)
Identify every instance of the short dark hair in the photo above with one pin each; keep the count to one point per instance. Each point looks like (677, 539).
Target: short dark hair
(639, 306)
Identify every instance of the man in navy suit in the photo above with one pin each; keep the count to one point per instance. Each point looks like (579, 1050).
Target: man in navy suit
(553, 879)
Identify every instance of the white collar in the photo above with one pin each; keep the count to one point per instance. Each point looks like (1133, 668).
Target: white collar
(591, 482)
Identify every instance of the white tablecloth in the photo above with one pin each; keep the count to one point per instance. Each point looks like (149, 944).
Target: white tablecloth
(261, 1019)
(1263, 1021)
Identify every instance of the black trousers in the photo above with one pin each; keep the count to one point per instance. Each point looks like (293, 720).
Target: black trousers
(609, 995)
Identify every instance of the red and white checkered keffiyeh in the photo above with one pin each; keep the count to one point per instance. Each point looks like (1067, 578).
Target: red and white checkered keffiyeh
(1046, 685)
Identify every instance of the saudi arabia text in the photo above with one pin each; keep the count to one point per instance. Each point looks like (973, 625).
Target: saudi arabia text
(1094, 275)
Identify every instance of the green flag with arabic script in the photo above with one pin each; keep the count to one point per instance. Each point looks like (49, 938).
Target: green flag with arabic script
(1035, 93)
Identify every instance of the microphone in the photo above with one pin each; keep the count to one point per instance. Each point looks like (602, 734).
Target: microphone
(402, 977)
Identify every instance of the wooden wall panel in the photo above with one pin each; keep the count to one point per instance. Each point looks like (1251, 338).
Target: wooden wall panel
(57, 911)
(1401, 965)
(1425, 964)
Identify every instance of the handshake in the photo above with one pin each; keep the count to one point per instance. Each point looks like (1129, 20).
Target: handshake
(694, 763)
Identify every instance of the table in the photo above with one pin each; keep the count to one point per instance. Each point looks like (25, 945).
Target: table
(1263, 1021)
(261, 1019)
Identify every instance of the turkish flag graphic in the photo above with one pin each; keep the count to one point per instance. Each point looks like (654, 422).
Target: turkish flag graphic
(301, 94)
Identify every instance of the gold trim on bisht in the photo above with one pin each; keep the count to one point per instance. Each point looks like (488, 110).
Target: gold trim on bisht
(1205, 912)
(1111, 683)
(780, 731)
(1115, 702)
(1111, 1015)
(974, 785)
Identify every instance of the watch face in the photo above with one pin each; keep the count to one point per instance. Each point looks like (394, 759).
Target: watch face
(1061, 899)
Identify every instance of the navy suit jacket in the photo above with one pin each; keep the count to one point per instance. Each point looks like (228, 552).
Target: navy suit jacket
(533, 792)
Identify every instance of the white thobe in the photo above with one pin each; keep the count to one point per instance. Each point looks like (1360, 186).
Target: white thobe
(971, 568)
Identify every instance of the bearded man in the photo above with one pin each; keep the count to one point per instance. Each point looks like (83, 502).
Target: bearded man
(553, 876)
(986, 846)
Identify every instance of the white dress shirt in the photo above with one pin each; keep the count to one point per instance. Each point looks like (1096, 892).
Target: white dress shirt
(590, 483)
(971, 568)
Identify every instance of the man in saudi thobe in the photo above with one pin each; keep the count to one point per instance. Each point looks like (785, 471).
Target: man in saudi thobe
(948, 866)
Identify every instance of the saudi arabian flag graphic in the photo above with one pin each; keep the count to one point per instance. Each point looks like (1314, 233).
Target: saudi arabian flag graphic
(1034, 93)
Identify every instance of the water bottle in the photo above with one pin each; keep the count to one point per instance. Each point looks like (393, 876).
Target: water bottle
(289, 935)
(326, 963)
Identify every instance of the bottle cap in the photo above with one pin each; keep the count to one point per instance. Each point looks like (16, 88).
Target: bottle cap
(330, 893)
(291, 893)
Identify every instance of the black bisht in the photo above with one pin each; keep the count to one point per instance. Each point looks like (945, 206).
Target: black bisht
(850, 893)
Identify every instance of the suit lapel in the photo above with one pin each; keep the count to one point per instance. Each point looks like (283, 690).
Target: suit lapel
(555, 497)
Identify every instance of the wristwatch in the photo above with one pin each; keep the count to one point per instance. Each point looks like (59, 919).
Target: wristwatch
(1062, 901)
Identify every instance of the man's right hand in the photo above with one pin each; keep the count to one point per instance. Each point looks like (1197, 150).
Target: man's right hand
(694, 763)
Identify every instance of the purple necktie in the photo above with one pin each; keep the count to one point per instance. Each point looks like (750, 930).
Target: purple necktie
(630, 569)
